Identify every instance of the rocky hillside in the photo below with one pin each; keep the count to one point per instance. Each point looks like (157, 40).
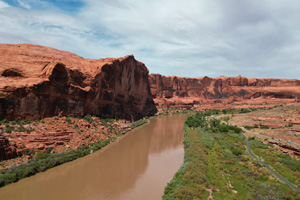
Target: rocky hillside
(38, 82)
(180, 91)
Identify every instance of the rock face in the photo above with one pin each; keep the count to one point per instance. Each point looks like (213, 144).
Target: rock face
(294, 150)
(38, 82)
(7, 151)
(189, 91)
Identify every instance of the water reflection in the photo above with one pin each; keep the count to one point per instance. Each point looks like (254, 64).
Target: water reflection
(137, 166)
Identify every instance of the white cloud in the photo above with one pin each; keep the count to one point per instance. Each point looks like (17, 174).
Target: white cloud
(3, 5)
(172, 37)
(24, 4)
(39, 4)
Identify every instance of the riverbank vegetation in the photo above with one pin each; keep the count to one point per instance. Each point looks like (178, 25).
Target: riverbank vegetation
(216, 164)
(48, 159)
(174, 111)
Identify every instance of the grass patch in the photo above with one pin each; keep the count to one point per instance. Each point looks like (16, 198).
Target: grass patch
(286, 165)
(250, 127)
(264, 127)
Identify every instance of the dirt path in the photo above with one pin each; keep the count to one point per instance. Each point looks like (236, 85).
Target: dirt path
(210, 196)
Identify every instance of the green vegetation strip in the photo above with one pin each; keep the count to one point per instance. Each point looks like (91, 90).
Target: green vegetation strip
(47, 160)
(216, 160)
(286, 165)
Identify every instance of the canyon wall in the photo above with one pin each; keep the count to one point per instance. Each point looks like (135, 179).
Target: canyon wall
(185, 92)
(38, 82)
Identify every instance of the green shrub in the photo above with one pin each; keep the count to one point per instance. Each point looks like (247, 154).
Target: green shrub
(41, 155)
(264, 127)
(88, 118)
(248, 127)
(237, 129)
(26, 122)
(28, 152)
(223, 128)
(107, 121)
(236, 151)
(4, 121)
(48, 150)
(214, 123)
(68, 120)
(244, 110)
(29, 130)
(138, 123)
(251, 138)
(21, 129)
(8, 129)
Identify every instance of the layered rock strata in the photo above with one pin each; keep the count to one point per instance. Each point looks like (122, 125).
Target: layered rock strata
(181, 91)
(38, 82)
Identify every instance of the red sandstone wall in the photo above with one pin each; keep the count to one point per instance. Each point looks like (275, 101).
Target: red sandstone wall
(38, 82)
(189, 91)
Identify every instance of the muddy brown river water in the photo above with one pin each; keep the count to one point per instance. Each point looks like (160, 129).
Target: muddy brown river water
(136, 167)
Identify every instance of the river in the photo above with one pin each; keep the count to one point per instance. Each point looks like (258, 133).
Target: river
(136, 166)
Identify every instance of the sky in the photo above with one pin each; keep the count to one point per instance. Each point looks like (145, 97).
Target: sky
(194, 38)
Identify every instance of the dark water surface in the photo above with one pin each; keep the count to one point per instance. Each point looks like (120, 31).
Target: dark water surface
(137, 166)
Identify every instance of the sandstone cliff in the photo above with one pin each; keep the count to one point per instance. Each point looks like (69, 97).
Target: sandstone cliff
(38, 82)
(181, 91)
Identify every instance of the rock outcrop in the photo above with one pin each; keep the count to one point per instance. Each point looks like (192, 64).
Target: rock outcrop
(293, 150)
(7, 150)
(38, 82)
(181, 91)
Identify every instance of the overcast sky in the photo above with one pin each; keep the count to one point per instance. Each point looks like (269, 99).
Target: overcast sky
(191, 38)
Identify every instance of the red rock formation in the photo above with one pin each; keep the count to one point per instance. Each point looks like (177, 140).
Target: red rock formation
(38, 82)
(181, 91)
(294, 150)
(57, 133)
(7, 150)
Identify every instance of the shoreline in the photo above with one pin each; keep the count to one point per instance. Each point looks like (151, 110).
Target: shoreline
(45, 161)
